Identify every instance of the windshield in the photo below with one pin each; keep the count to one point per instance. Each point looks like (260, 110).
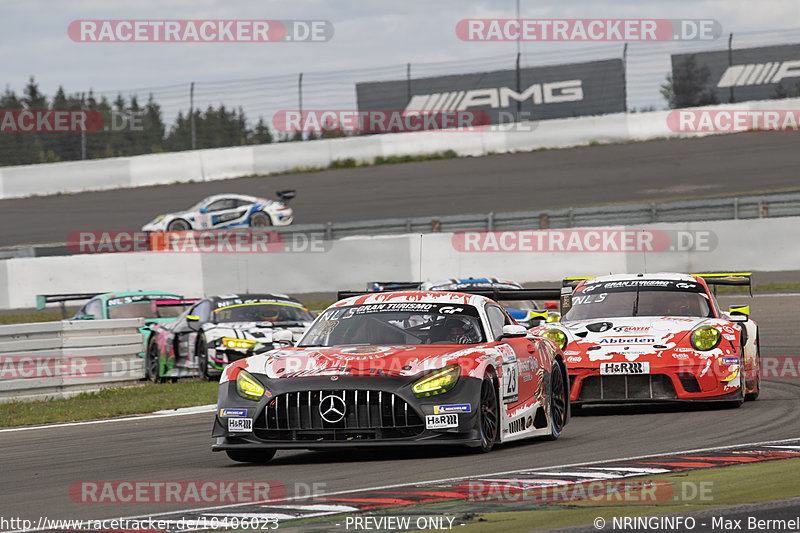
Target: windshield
(670, 298)
(277, 313)
(400, 323)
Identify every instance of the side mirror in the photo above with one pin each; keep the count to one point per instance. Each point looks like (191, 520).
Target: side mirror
(203, 210)
(193, 322)
(513, 330)
(283, 336)
(87, 317)
(739, 313)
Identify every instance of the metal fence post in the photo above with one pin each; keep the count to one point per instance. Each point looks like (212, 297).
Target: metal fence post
(329, 231)
(653, 212)
(735, 208)
(490, 221)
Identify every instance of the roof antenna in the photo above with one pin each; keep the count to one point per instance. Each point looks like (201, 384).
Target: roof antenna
(420, 257)
(644, 256)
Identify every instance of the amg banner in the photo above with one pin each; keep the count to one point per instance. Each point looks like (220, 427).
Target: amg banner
(558, 91)
(760, 73)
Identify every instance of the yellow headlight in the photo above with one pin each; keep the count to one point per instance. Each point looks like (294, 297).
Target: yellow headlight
(241, 344)
(705, 338)
(557, 336)
(248, 387)
(437, 383)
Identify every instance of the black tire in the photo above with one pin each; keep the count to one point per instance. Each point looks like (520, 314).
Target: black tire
(201, 352)
(151, 366)
(250, 456)
(488, 415)
(558, 402)
(754, 395)
(259, 219)
(178, 225)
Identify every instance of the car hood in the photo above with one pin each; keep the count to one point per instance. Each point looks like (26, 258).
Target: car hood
(631, 337)
(355, 361)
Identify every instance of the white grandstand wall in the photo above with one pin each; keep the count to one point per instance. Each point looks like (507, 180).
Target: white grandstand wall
(757, 244)
(225, 163)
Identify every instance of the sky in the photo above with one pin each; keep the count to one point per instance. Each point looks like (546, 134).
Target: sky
(373, 40)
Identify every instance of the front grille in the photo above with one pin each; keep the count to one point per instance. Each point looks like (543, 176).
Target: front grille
(369, 415)
(627, 387)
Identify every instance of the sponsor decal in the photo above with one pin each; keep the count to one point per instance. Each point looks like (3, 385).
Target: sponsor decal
(729, 336)
(240, 425)
(681, 356)
(624, 368)
(627, 340)
(233, 412)
(441, 421)
(453, 408)
(571, 352)
(631, 329)
(573, 359)
(729, 360)
(759, 73)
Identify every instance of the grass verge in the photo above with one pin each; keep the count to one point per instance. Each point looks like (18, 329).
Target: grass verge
(109, 403)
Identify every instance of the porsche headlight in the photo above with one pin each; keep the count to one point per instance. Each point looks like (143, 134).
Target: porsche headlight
(248, 387)
(557, 336)
(705, 338)
(237, 344)
(438, 382)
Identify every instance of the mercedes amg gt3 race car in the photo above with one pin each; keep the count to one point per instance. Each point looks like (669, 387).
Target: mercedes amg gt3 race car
(225, 211)
(656, 337)
(222, 329)
(396, 368)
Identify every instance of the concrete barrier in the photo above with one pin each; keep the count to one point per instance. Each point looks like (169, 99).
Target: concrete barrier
(224, 163)
(766, 244)
(62, 359)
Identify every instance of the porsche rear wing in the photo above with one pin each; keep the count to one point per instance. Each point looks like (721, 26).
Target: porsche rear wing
(383, 286)
(727, 278)
(43, 299)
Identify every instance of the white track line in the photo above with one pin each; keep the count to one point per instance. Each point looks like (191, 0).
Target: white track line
(158, 414)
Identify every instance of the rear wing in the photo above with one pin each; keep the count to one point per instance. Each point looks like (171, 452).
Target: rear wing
(43, 299)
(383, 286)
(286, 195)
(713, 279)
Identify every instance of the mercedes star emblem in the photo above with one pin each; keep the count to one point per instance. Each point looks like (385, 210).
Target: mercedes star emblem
(332, 409)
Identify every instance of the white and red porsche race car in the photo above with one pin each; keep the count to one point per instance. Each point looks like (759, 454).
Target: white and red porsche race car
(396, 368)
(656, 337)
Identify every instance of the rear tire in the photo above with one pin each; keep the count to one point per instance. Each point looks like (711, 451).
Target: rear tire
(201, 352)
(488, 415)
(558, 402)
(250, 456)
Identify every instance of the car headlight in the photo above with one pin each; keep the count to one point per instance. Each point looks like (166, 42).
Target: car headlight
(705, 338)
(438, 382)
(158, 219)
(238, 344)
(248, 387)
(557, 336)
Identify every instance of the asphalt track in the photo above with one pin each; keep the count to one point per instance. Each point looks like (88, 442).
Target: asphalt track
(713, 166)
(39, 466)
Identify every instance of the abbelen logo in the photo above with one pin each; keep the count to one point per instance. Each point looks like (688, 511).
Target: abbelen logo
(498, 97)
(759, 73)
(332, 409)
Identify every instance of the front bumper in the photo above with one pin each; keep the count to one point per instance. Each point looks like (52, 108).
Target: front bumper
(662, 384)
(380, 411)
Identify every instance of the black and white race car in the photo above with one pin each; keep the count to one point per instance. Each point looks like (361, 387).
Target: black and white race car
(219, 330)
(228, 211)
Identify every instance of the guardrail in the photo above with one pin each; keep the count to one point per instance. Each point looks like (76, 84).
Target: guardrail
(62, 359)
(693, 210)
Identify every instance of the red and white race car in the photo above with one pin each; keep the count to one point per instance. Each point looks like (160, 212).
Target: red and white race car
(656, 337)
(396, 368)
